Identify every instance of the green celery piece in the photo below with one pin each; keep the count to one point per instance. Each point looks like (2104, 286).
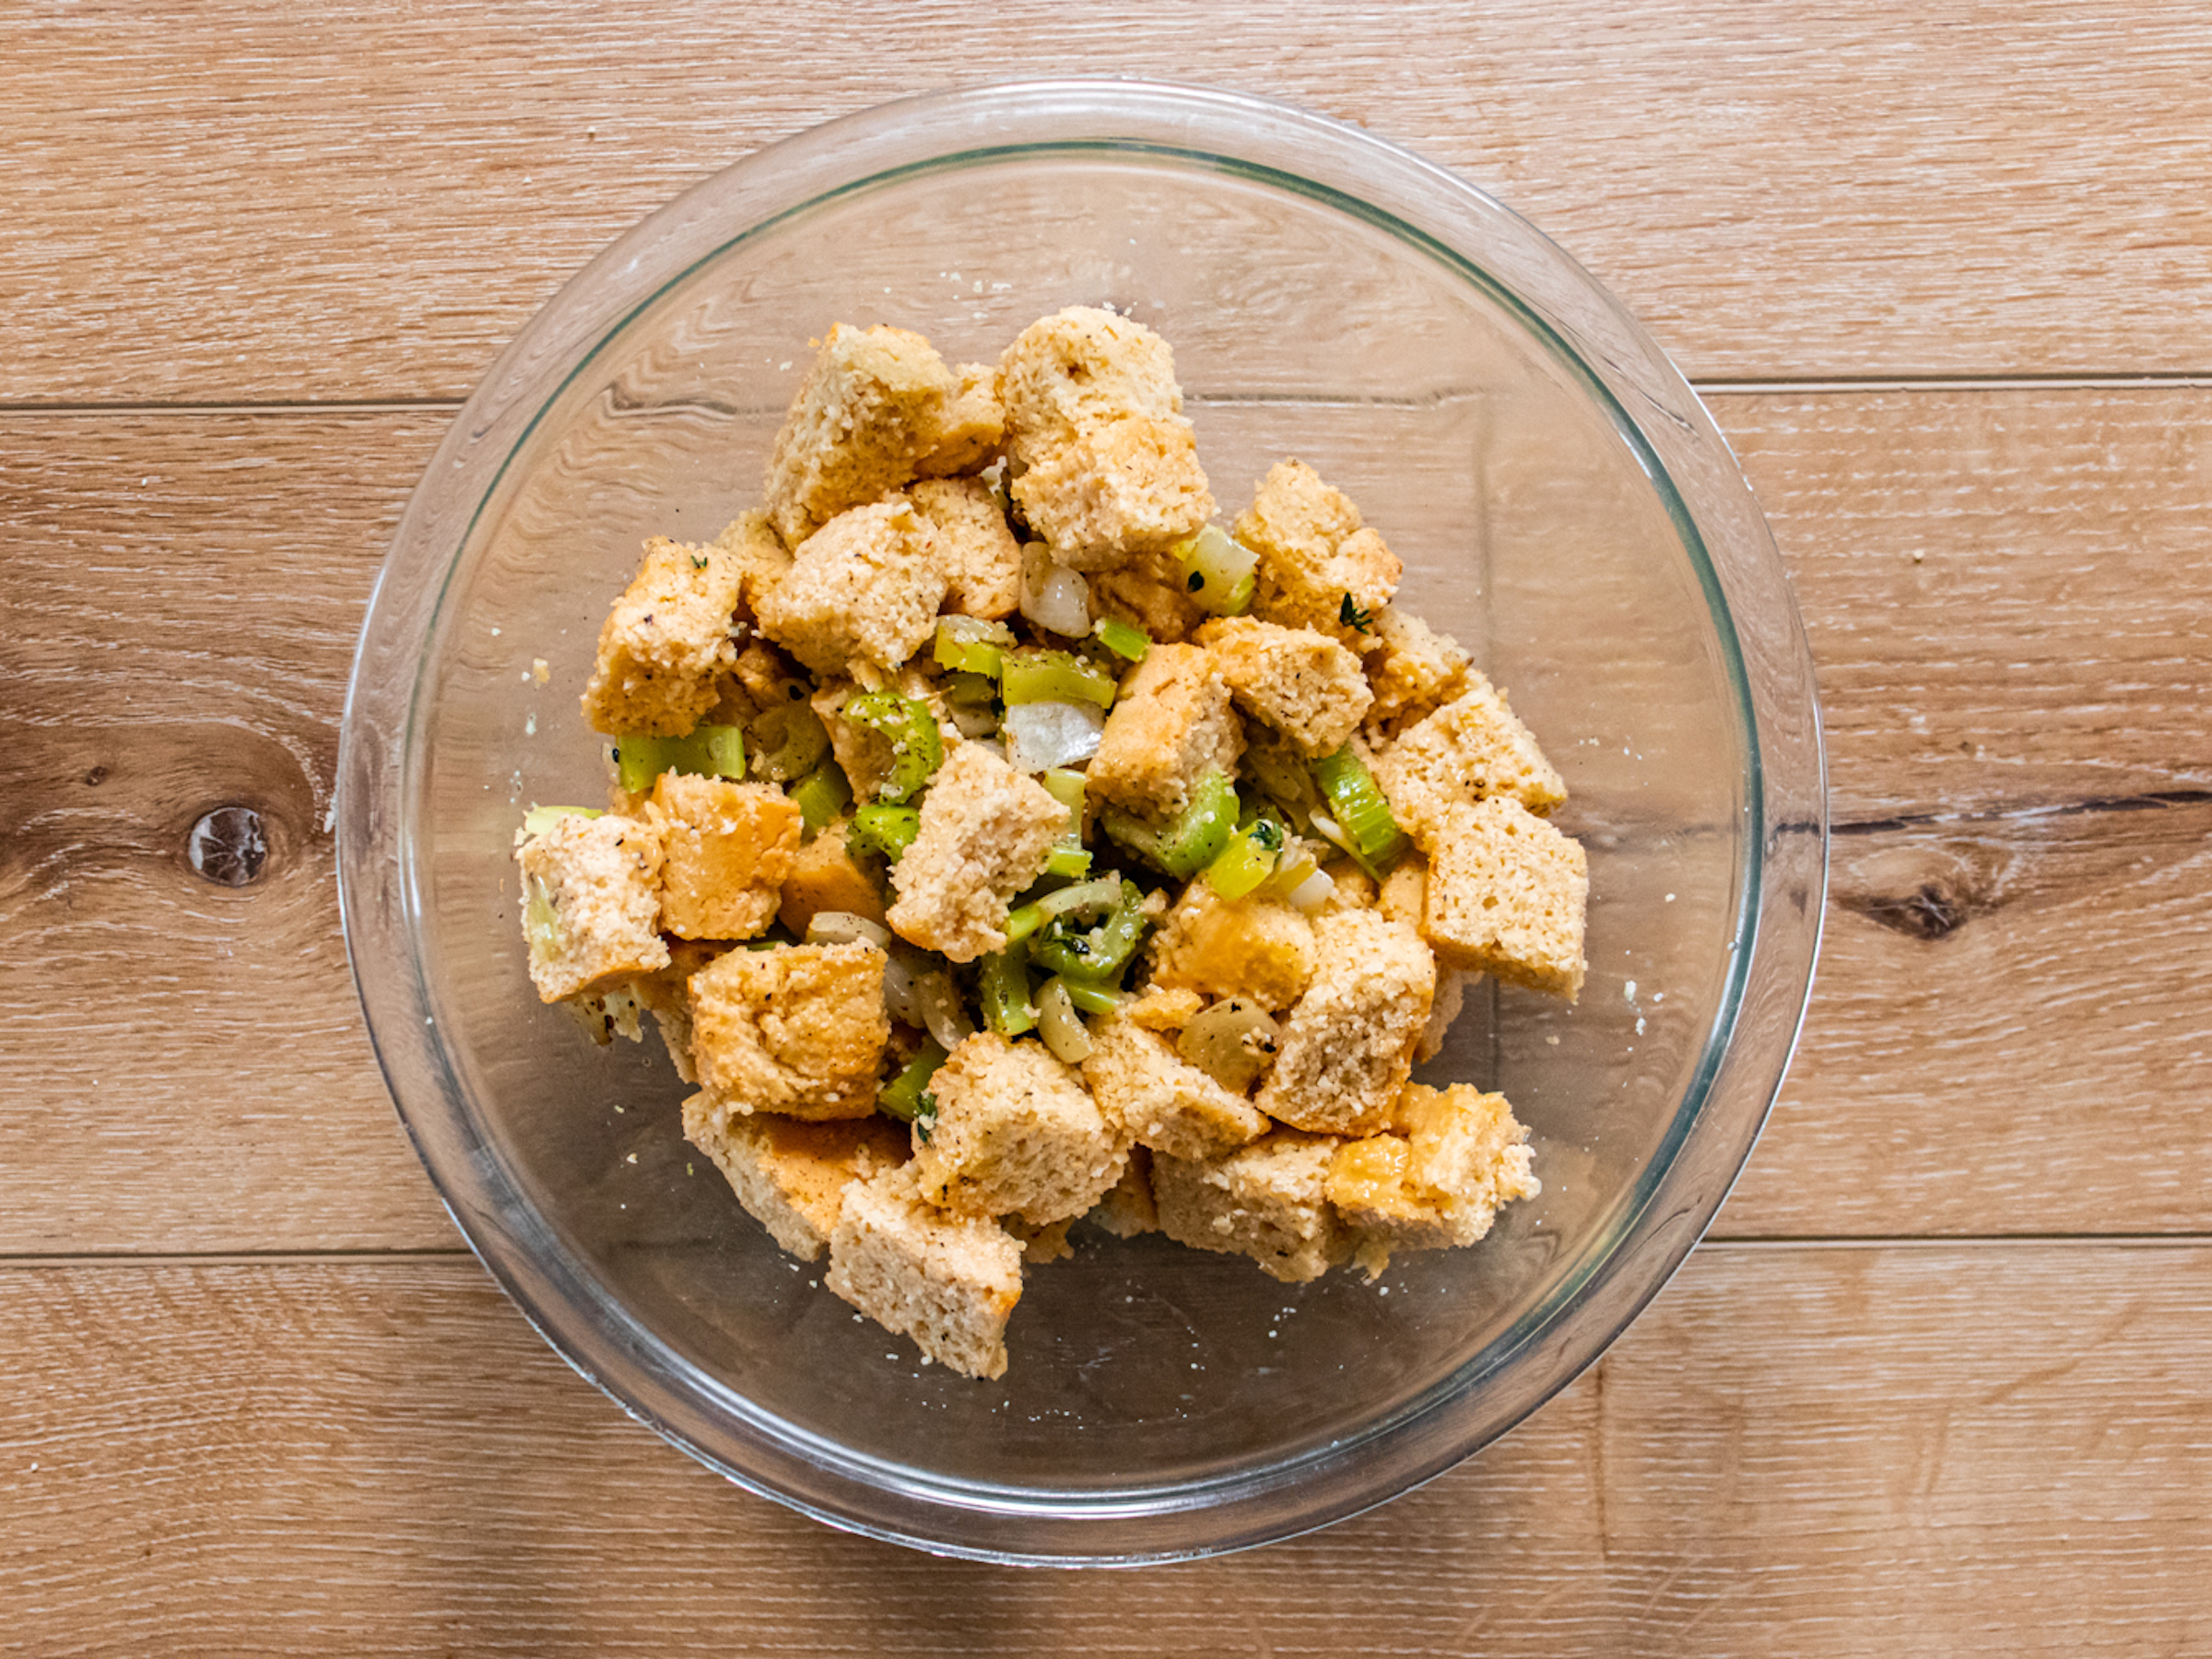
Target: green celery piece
(1242, 865)
(908, 725)
(889, 831)
(707, 751)
(968, 645)
(1072, 862)
(904, 1096)
(1220, 572)
(821, 794)
(1093, 954)
(1125, 639)
(1090, 998)
(1003, 986)
(792, 740)
(1035, 674)
(1196, 836)
(1357, 803)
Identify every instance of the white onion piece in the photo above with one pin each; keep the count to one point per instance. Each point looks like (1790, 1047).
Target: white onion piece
(1053, 597)
(972, 722)
(1231, 1042)
(1314, 892)
(846, 927)
(1061, 1027)
(899, 998)
(942, 1015)
(1041, 735)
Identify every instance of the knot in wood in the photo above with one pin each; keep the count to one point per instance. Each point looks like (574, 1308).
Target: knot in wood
(229, 846)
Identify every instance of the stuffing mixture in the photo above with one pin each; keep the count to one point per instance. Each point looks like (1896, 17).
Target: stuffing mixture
(998, 840)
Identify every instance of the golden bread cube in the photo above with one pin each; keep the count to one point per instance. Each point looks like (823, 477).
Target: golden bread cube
(1014, 1132)
(592, 904)
(728, 850)
(794, 1028)
(949, 1282)
(791, 1175)
(1348, 1044)
(666, 642)
(1507, 894)
(1267, 1201)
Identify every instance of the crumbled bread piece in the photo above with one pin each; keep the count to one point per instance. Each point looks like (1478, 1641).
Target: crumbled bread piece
(1266, 1201)
(1507, 895)
(1131, 486)
(1161, 1007)
(798, 1028)
(790, 1176)
(1436, 1178)
(1348, 1044)
(728, 849)
(1317, 564)
(824, 878)
(1303, 684)
(1042, 1244)
(980, 553)
(1170, 724)
(866, 585)
(1350, 888)
(949, 1282)
(1159, 1100)
(1127, 1208)
(751, 540)
(1401, 894)
(592, 904)
(969, 428)
(1413, 671)
(667, 641)
(1103, 463)
(1152, 591)
(667, 997)
(872, 406)
(1016, 1133)
(1262, 950)
(1450, 999)
(1472, 747)
(985, 833)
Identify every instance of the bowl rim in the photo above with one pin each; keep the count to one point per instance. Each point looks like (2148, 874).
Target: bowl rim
(1783, 867)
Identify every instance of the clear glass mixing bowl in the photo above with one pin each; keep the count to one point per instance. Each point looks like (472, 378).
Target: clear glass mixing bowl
(1563, 505)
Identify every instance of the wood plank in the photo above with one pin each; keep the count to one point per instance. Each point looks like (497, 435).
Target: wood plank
(1812, 1451)
(182, 591)
(226, 202)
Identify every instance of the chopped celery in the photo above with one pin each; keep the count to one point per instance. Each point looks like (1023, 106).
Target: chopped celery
(540, 820)
(1124, 639)
(1220, 571)
(1370, 834)
(1003, 987)
(1070, 861)
(1022, 921)
(1096, 953)
(1194, 839)
(1058, 1023)
(1090, 998)
(971, 645)
(974, 690)
(1065, 787)
(1069, 857)
(906, 1096)
(917, 750)
(711, 751)
(725, 747)
(821, 794)
(791, 741)
(1035, 674)
(1245, 863)
(541, 921)
(889, 831)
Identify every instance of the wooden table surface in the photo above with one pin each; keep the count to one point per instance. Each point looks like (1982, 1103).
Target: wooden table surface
(1940, 1382)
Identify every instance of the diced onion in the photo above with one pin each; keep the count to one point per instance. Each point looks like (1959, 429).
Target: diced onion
(1053, 597)
(1231, 1042)
(942, 1015)
(846, 927)
(1042, 735)
(1061, 1027)
(1314, 892)
(901, 1000)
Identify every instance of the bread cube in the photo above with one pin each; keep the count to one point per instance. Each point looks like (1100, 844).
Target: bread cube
(1103, 463)
(1260, 949)
(1163, 1007)
(981, 555)
(728, 850)
(1303, 684)
(872, 406)
(969, 428)
(1348, 1044)
(1127, 1209)
(1507, 894)
(1170, 725)
(985, 833)
(1160, 1100)
(1436, 1177)
(1016, 1133)
(796, 1028)
(592, 904)
(666, 996)
(667, 641)
(863, 754)
(1412, 669)
(790, 1176)
(752, 541)
(1472, 747)
(949, 1282)
(1267, 1201)
(866, 586)
(824, 878)
(1317, 568)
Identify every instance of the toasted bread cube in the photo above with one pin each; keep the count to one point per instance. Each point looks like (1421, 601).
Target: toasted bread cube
(1262, 950)
(1303, 684)
(873, 404)
(866, 586)
(1266, 1201)
(1472, 747)
(1016, 1133)
(949, 1282)
(1159, 1100)
(1131, 486)
(728, 850)
(1436, 1178)
(1413, 671)
(981, 554)
(1127, 1208)
(667, 641)
(1507, 895)
(1077, 370)
(666, 996)
(752, 541)
(985, 833)
(1317, 568)
(592, 904)
(790, 1176)
(1171, 724)
(969, 428)
(1348, 1044)
(798, 1028)
(1151, 591)
(824, 878)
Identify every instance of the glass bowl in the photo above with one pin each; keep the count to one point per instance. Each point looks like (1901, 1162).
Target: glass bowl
(1563, 505)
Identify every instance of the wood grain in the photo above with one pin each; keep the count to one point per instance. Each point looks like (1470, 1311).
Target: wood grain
(228, 201)
(1800, 1450)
